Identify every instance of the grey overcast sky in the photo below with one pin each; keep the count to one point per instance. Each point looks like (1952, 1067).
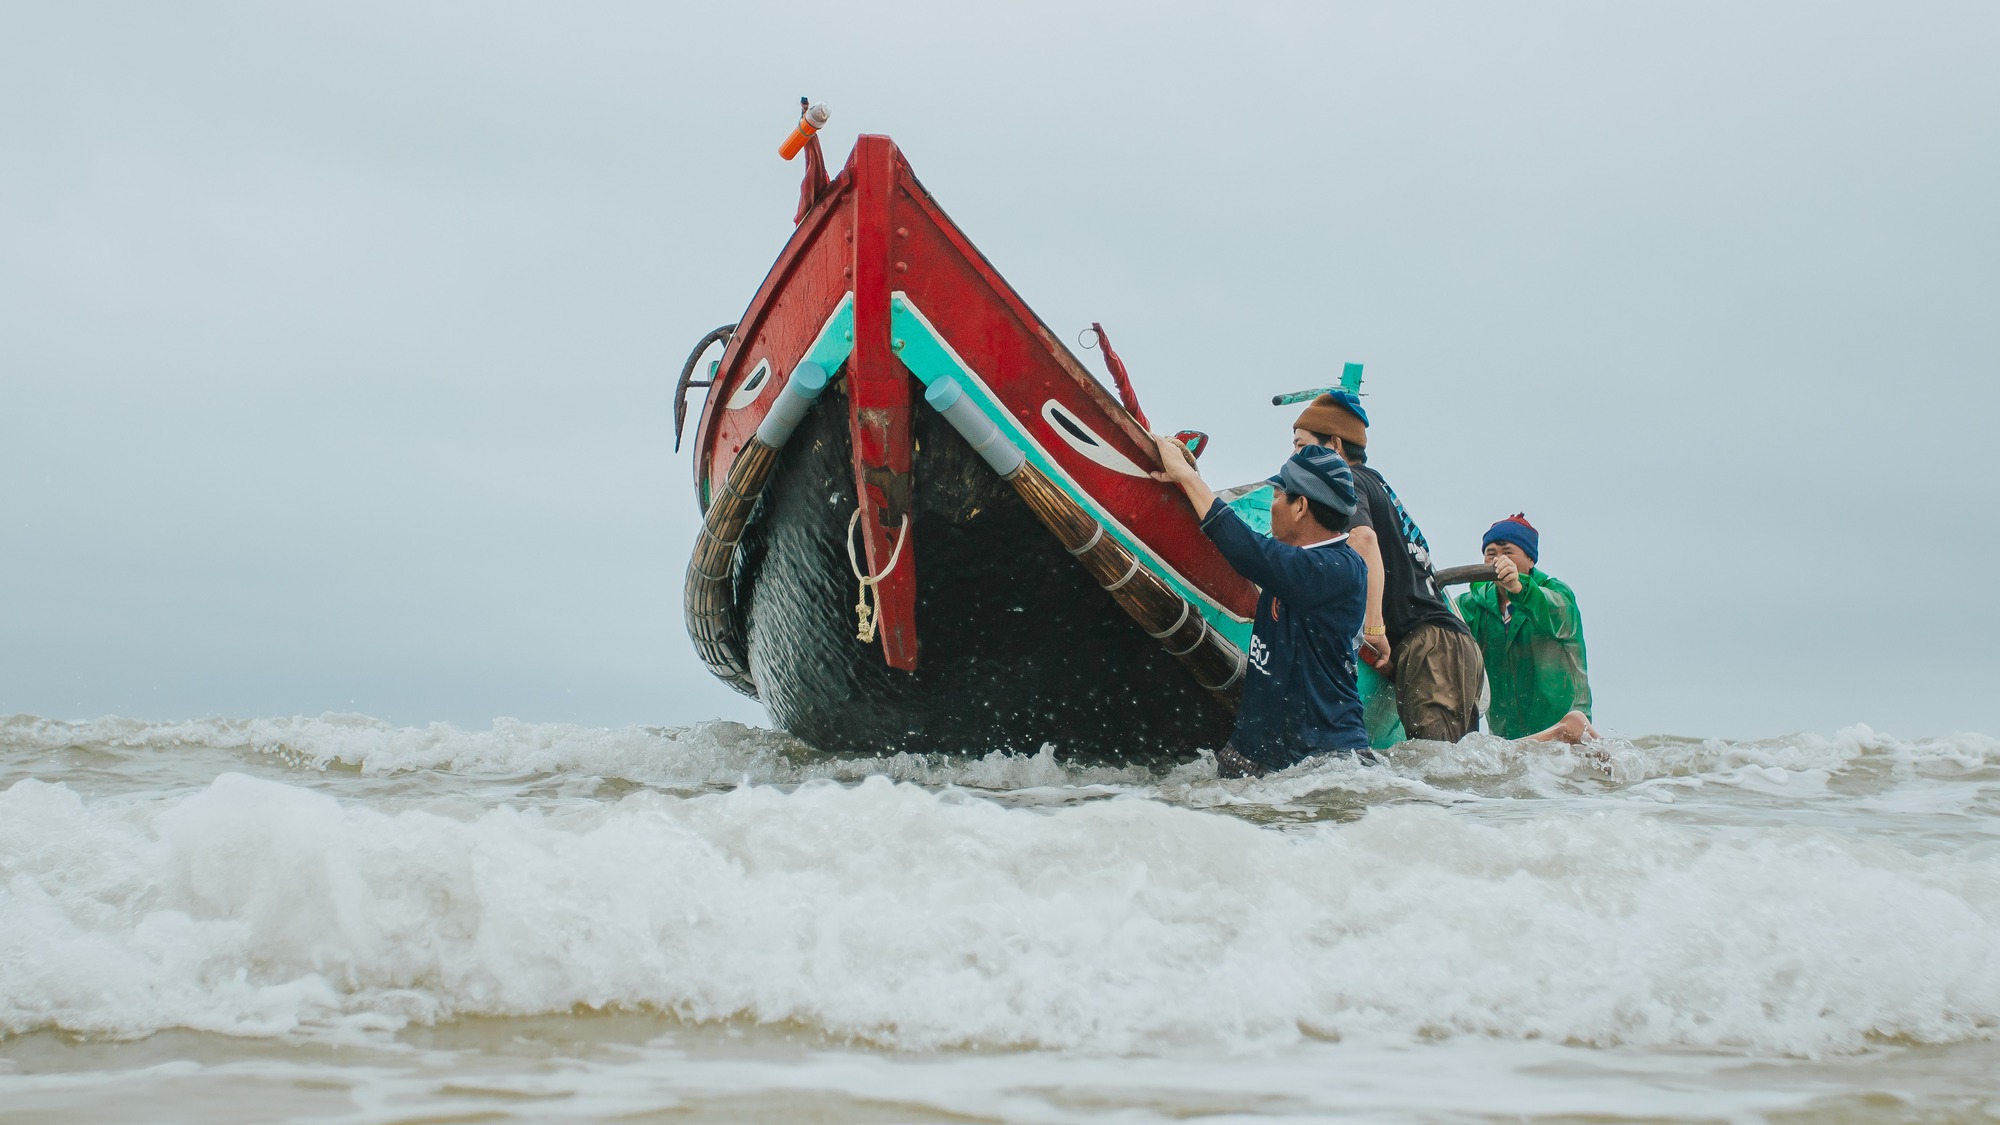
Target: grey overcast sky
(337, 340)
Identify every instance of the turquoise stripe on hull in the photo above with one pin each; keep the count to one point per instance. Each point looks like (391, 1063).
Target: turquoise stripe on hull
(836, 337)
(930, 358)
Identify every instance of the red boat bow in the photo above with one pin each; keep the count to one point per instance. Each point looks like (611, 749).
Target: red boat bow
(926, 303)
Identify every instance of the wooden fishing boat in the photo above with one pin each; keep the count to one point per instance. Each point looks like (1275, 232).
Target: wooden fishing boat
(926, 527)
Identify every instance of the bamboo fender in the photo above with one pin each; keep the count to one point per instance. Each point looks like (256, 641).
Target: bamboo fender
(709, 603)
(1144, 596)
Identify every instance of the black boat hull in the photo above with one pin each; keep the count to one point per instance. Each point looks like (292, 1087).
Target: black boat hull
(1020, 647)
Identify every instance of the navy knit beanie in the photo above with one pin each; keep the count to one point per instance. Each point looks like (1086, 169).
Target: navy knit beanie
(1318, 473)
(1517, 530)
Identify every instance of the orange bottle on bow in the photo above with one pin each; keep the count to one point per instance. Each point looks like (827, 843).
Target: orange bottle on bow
(810, 122)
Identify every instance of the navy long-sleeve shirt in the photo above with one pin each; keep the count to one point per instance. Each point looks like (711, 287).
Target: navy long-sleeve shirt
(1299, 697)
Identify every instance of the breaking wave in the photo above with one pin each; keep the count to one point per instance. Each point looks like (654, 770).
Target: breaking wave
(1751, 896)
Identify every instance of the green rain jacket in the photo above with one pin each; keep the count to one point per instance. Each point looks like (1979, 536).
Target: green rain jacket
(1535, 664)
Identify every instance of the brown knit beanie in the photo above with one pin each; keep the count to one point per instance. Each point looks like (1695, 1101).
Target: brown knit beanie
(1328, 415)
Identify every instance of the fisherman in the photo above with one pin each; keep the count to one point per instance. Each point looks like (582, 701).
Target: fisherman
(1298, 689)
(1410, 629)
(1528, 626)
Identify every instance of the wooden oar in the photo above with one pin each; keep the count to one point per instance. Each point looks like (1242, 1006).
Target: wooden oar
(1460, 575)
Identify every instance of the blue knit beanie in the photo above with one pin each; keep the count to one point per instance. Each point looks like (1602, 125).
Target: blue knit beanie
(1517, 530)
(1318, 473)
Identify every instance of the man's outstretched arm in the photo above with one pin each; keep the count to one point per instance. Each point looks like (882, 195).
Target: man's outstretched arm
(1365, 544)
(1278, 568)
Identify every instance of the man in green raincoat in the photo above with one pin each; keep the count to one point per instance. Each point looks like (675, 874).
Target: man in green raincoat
(1531, 634)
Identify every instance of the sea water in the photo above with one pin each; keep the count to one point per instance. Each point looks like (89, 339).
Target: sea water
(337, 920)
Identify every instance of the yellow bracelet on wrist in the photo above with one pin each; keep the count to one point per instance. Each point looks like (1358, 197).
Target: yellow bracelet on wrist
(1377, 631)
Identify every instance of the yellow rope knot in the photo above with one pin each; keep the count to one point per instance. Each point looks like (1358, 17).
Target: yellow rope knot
(864, 614)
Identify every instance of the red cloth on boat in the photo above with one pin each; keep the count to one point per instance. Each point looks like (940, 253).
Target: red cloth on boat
(815, 181)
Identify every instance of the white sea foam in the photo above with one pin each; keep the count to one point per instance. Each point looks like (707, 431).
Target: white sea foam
(726, 753)
(707, 754)
(920, 916)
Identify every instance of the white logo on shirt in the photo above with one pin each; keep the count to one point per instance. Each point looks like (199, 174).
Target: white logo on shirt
(1260, 655)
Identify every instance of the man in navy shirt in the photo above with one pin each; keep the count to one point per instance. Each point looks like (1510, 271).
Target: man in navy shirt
(1299, 698)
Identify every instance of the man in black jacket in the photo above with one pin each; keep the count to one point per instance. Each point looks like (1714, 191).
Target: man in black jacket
(1409, 628)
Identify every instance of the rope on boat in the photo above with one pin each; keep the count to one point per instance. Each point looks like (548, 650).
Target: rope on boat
(864, 614)
(1200, 639)
(1128, 576)
(1170, 630)
(1079, 552)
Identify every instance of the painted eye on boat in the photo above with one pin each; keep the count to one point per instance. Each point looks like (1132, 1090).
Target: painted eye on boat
(1065, 421)
(747, 393)
(1084, 440)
